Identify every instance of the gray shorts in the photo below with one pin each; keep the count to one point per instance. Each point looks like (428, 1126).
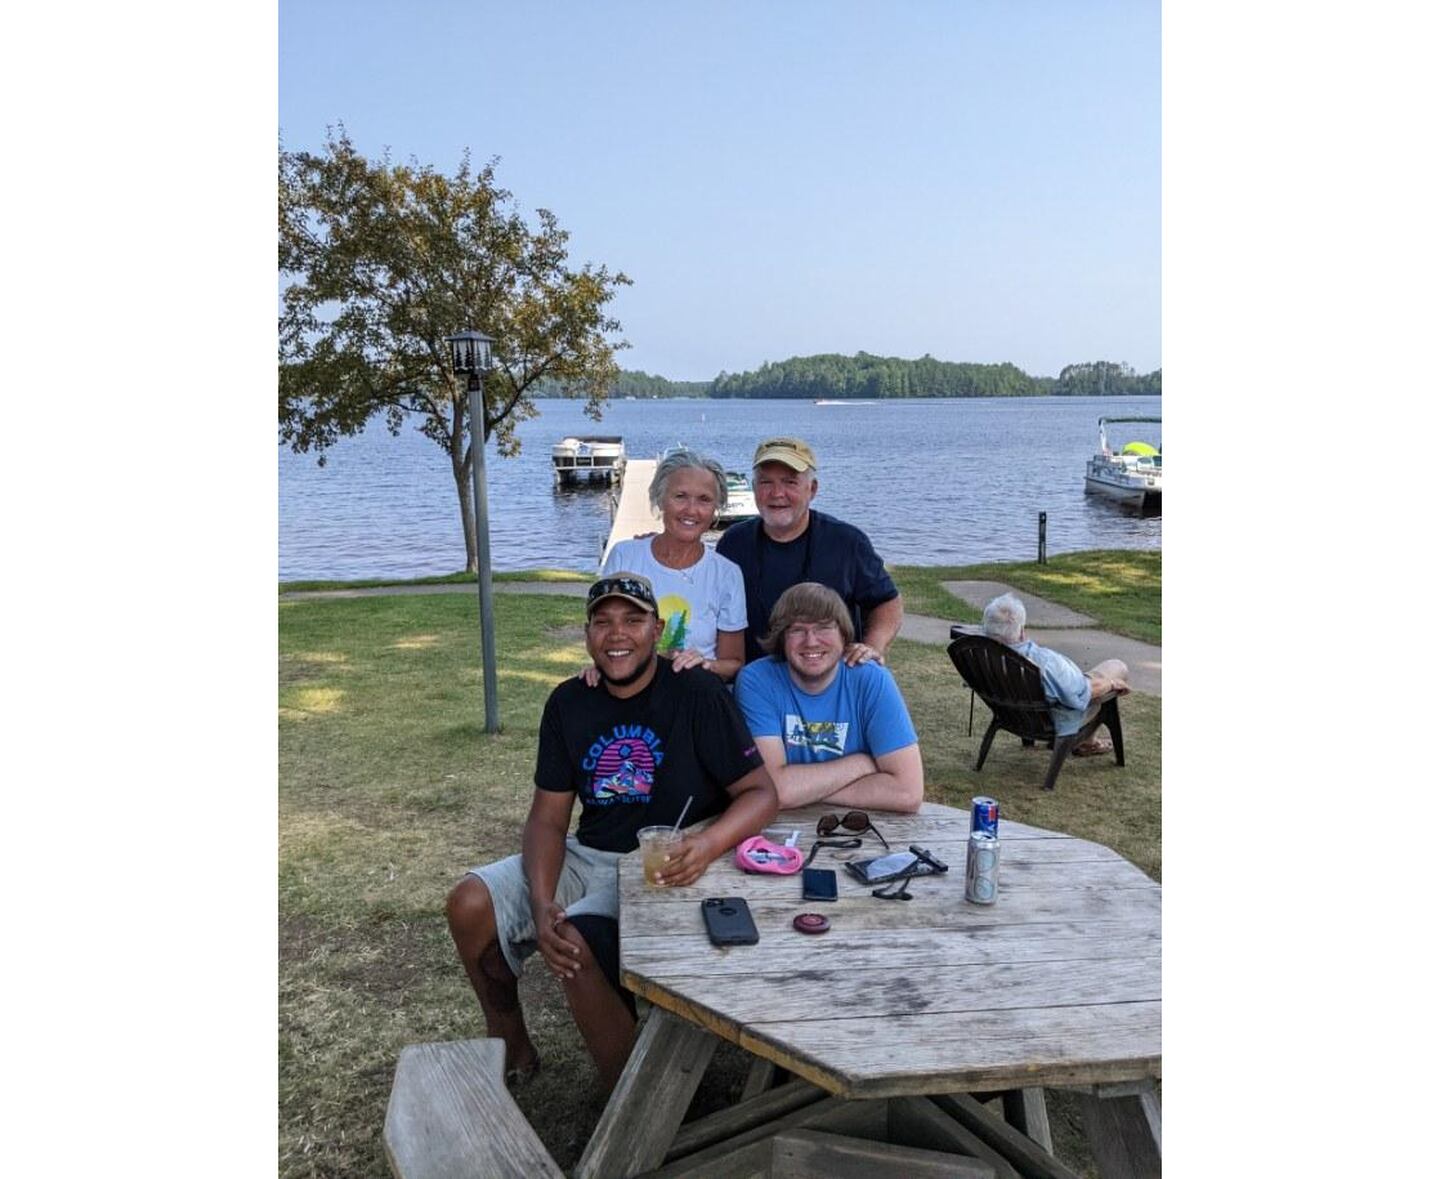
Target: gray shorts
(589, 883)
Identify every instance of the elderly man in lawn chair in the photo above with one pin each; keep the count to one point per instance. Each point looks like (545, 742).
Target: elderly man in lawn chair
(652, 743)
(1068, 690)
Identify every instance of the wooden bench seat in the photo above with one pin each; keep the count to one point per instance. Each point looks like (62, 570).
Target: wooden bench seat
(451, 1117)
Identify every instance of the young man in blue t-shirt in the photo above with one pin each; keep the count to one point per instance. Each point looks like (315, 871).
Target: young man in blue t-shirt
(828, 730)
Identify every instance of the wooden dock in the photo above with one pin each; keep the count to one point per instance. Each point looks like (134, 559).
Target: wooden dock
(632, 513)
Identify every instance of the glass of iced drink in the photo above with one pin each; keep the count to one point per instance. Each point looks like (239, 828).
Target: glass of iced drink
(655, 844)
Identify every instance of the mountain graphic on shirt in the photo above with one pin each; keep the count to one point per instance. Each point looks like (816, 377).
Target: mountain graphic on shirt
(816, 736)
(625, 770)
(675, 635)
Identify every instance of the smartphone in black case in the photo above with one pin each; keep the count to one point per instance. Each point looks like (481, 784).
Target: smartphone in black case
(728, 921)
(819, 884)
(916, 862)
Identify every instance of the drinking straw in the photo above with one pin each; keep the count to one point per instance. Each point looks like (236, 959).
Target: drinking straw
(683, 809)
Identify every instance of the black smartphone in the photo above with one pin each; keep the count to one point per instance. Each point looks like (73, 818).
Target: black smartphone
(818, 884)
(728, 921)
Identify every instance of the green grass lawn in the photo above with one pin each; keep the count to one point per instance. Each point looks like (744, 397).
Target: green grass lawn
(1119, 588)
(390, 789)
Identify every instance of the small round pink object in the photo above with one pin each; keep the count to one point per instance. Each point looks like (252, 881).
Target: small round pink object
(811, 923)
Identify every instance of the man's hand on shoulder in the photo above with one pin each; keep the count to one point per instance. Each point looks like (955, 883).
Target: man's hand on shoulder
(857, 653)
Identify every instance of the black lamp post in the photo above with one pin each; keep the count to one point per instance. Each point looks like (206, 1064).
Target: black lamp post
(470, 358)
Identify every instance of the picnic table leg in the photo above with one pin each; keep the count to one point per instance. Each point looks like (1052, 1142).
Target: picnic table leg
(1025, 1110)
(760, 1078)
(1124, 1132)
(649, 1103)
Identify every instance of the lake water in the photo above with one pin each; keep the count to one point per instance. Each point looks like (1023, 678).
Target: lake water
(932, 481)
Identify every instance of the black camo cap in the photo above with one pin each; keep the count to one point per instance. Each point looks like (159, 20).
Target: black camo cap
(630, 586)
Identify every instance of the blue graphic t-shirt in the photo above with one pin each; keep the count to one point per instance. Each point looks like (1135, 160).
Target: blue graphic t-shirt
(861, 711)
(634, 762)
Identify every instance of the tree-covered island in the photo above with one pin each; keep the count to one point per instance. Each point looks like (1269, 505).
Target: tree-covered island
(876, 377)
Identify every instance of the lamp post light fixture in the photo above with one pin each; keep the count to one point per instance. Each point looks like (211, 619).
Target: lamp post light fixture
(470, 358)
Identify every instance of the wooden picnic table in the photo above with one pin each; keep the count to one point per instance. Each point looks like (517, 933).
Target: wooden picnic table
(1055, 985)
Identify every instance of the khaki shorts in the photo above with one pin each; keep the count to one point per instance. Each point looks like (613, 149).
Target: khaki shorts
(589, 883)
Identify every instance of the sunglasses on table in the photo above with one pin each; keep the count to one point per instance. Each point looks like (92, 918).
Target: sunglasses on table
(851, 821)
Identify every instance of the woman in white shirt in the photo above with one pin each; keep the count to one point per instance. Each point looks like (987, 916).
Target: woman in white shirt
(701, 594)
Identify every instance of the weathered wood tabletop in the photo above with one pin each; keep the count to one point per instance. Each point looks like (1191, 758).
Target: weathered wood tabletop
(1058, 983)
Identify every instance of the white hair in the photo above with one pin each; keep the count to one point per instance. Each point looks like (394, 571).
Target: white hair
(681, 459)
(1004, 619)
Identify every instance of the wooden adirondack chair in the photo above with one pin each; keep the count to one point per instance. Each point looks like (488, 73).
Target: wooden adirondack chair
(1010, 684)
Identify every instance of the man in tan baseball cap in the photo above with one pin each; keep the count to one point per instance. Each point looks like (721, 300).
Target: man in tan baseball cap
(795, 453)
(790, 543)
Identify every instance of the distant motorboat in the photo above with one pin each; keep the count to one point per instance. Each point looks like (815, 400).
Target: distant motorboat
(739, 500)
(1130, 475)
(588, 455)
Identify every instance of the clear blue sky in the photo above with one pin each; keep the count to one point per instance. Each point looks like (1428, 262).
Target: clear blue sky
(976, 180)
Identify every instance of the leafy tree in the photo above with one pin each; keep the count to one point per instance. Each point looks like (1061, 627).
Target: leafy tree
(637, 384)
(881, 377)
(381, 261)
(1104, 377)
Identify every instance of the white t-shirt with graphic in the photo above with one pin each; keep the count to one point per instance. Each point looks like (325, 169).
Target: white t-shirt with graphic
(695, 603)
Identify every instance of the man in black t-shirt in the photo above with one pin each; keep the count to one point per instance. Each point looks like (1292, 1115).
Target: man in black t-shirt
(791, 543)
(634, 754)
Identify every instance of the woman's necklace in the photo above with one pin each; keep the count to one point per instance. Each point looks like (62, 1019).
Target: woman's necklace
(684, 564)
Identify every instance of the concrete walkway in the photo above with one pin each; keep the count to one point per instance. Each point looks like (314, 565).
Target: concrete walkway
(1038, 611)
(1073, 635)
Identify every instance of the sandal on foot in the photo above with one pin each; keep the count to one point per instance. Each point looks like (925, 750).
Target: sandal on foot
(1093, 747)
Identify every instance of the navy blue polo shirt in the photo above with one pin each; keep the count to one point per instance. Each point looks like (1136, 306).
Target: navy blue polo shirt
(828, 551)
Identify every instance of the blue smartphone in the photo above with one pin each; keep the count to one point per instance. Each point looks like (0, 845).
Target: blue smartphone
(819, 884)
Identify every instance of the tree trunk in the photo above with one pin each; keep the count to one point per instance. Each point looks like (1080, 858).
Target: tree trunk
(461, 470)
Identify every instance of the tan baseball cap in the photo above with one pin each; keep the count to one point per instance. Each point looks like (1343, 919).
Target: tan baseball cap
(793, 452)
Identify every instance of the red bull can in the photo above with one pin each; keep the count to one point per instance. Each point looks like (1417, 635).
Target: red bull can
(982, 868)
(985, 816)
